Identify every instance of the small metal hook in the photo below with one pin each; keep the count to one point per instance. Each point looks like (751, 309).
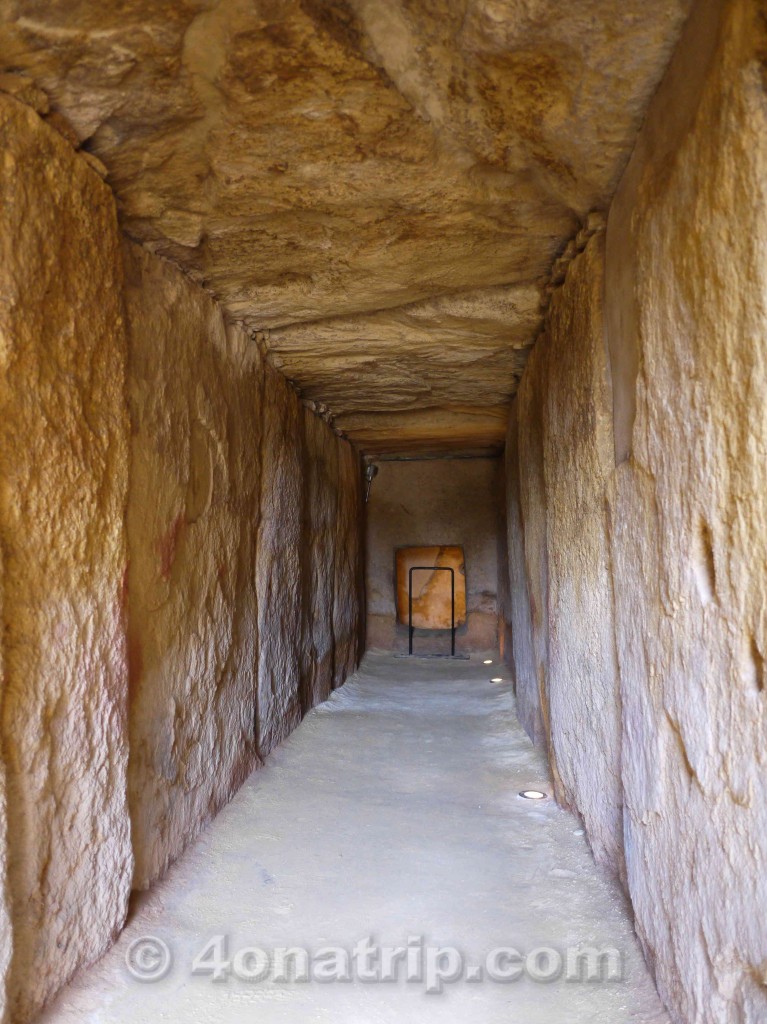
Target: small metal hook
(370, 471)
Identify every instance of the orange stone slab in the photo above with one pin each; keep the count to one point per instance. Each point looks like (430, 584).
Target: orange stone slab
(431, 587)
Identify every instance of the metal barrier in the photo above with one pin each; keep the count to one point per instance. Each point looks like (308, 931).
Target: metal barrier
(430, 568)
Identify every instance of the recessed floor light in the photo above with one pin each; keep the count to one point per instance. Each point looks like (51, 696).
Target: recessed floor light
(532, 794)
(496, 679)
(488, 661)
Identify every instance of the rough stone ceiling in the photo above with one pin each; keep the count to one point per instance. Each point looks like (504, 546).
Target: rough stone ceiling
(379, 187)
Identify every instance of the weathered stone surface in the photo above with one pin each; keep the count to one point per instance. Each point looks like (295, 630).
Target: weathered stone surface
(531, 425)
(426, 502)
(443, 354)
(323, 505)
(308, 160)
(24, 89)
(685, 318)
(63, 467)
(522, 654)
(192, 514)
(349, 588)
(690, 520)
(584, 698)
(6, 928)
(281, 564)
(232, 521)
(436, 598)
(455, 430)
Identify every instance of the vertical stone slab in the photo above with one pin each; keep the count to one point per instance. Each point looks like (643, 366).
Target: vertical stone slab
(505, 639)
(689, 521)
(523, 653)
(6, 927)
(63, 468)
(584, 696)
(321, 518)
(281, 561)
(192, 513)
(531, 412)
(349, 581)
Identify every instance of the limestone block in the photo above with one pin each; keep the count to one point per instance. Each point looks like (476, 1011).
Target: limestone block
(282, 564)
(6, 933)
(348, 594)
(532, 419)
(505, 639)
(584, 698)
(418, 165)
(323, 502)
(63, 467)
(438, 602)
(527, 690)
(194, 389)
(689, 520)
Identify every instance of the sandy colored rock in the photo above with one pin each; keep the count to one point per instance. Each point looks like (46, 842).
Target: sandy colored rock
(349, 586)
(22, 88)
(690, 521)
(584, 698)
(6, 927)
(440, 354)
(437, 598)
(310, 161)
(323, 506)
(281, 564)
(531, 425)
(192, 511)
(455, 430)
(522, 654)
(233, 516)
(63, 466)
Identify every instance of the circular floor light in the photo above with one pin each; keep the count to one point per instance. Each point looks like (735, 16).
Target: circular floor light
(532, 794)
(488, 661)
(496, 679)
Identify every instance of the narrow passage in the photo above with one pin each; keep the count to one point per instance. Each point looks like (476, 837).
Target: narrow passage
(390, 818)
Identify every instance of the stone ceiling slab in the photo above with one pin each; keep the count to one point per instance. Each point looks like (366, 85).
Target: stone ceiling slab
(313, 160)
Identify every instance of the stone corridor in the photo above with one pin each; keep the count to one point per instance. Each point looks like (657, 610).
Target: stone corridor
(392, 811)
(330, 328)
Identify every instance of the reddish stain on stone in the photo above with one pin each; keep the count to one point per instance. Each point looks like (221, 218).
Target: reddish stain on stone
(168, 545)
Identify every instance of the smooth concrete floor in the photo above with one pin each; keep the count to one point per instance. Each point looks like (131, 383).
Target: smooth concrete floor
(392, 812)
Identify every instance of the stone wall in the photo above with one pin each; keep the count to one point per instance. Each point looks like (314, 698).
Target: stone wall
(235, 516)
(434, 502)
(652, 525)
(64, 473)
(195, 409)
(174, 523)
(584, 700)
(559, 459)
(689, 521)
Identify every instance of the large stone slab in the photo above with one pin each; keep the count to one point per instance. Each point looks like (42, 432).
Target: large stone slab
(282, 563)
(194, 396)
(63, 466)
(689, 234)
(522, 653)
(324, 507)
(348, 590)
(532, 422)
(311, 161)
(436, 595)
(6, 925)
(584, 697)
